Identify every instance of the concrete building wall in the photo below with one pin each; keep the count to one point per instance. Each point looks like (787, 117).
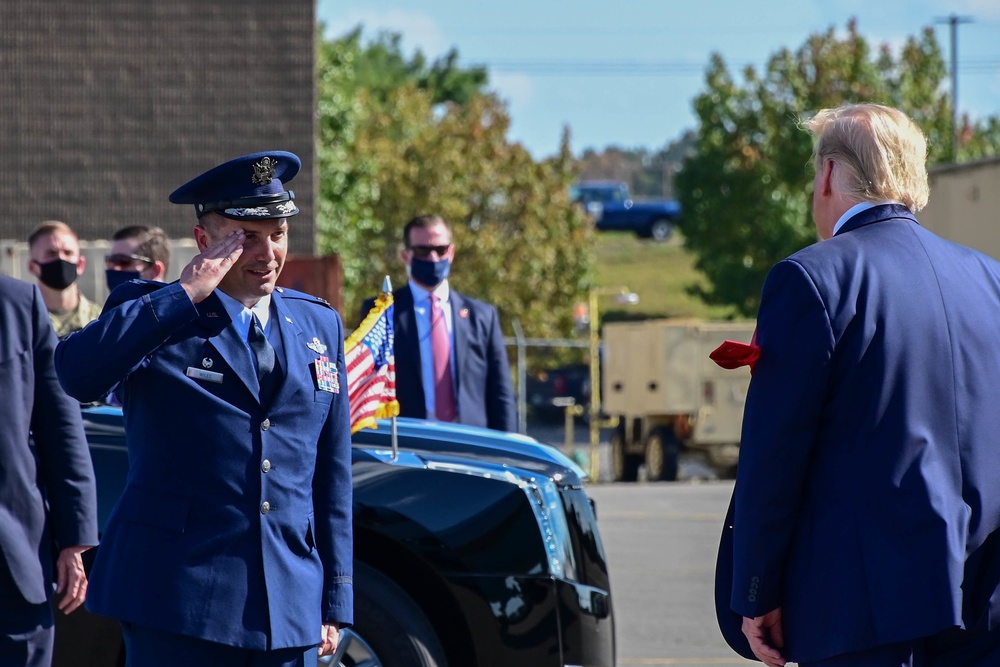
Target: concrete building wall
(964, 205)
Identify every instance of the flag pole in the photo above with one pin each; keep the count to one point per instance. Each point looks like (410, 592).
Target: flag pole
(394, 436)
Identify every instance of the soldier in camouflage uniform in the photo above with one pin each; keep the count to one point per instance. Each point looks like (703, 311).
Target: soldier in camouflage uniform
(56, 262)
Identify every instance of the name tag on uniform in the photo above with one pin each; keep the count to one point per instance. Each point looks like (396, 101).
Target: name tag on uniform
(201, 374)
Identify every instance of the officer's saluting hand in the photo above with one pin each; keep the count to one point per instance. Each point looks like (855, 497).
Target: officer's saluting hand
(207, 269)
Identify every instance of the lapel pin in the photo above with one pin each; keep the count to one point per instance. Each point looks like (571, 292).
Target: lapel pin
(288, 319)
(464, 313)
(316, 346)
(206, 362)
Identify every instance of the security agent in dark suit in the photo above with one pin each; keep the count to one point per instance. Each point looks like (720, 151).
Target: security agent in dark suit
(865, 527)
(232, 541)
(48, 502)
(451, 363)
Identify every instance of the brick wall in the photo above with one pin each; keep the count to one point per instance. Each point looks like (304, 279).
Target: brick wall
(106, 106)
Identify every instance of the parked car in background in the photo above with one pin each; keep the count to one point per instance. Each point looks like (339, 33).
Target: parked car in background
(472, 548)
(549, 391)
(613, 209)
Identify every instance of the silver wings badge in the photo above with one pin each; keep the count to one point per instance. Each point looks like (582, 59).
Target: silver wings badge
(316, 346)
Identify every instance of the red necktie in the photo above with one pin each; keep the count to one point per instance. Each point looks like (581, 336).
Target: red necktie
(444, 388)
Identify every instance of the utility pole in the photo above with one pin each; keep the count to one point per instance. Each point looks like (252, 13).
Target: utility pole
(953, 21)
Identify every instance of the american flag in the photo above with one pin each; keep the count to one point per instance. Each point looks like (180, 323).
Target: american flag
(371, 367)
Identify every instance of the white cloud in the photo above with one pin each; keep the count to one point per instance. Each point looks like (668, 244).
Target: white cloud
(516, 89)
(418, 30)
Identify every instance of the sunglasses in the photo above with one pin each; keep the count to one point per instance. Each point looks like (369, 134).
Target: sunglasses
(424, 251)
(121, 260)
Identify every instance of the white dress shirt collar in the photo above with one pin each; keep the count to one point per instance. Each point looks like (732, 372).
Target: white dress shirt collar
(420, 294)
(242, 316)
(854, 210)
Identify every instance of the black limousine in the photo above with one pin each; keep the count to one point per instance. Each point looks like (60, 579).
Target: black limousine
(473, 548)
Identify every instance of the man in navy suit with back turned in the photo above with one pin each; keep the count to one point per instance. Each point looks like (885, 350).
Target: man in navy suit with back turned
(48, 503)
(232, 541)
(867, 501)
(451, 363)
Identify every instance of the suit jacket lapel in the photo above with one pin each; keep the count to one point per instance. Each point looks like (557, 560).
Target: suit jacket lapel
(460, 335)
(215, 321)
(406, 332)
(291, 351)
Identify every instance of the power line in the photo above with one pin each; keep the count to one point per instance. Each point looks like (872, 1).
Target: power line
(651, 68)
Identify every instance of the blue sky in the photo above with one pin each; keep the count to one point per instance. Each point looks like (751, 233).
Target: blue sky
(626, 72)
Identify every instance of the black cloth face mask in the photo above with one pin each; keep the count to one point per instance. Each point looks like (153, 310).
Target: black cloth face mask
(57, 274)
(116, 278)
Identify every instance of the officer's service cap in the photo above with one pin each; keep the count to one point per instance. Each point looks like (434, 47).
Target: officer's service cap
(250, 187)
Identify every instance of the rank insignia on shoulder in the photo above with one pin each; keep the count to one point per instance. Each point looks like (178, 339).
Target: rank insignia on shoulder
(327, 377)
(316, 346)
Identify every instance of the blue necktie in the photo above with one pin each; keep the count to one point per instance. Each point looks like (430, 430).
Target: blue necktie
(264, 354)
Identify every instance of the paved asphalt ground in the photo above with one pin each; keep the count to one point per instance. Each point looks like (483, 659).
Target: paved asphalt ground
(661, 539)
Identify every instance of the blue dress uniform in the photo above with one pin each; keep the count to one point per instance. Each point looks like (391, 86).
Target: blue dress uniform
(235, 525)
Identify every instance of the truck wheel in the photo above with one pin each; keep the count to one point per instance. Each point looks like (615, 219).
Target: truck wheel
(389, 628)
(661, 229)
(624, 466)
(662, 453)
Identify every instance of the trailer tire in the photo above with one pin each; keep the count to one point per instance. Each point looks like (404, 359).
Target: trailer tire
(624, 466)
(662, 454)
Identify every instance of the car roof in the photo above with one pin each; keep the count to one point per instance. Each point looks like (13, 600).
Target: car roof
(509, 449)
(599, 184)
(423, 437)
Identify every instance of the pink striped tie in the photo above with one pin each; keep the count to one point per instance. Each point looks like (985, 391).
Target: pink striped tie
(444, 388)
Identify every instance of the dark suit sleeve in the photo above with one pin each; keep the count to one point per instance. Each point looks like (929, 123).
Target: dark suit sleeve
(780, 424)
(501, 414)
(65, 469)
(333, 501)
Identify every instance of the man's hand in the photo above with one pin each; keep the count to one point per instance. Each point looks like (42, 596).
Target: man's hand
(766, 637)
(71, 579)
(331, 636)
(207, 269)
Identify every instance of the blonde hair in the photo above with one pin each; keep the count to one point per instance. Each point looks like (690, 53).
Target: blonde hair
(50, 227)
(883, 152)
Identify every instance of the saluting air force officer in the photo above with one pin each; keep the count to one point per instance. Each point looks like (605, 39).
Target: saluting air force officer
(232, 541)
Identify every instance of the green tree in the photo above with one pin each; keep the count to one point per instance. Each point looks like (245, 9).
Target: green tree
(347, 189)
(381, 68)
(390, 154)
(746, 191)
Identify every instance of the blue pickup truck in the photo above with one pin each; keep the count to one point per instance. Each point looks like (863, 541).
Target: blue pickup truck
(613, 209)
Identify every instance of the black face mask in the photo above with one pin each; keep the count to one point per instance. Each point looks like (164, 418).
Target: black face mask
(429, 273)
(116, 278)
(57, 274)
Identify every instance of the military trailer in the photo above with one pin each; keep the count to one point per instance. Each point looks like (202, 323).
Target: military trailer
(670, 398)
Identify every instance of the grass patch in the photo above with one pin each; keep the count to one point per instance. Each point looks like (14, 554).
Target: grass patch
(660, 273)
